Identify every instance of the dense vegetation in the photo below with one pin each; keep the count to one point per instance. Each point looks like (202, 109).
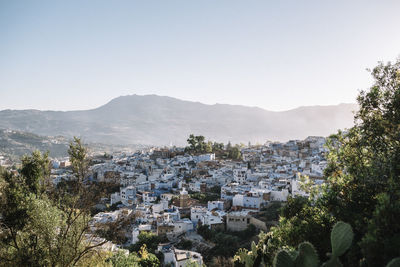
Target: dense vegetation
(43, 225)
(197, 145)
(362, 185)
(226, 242)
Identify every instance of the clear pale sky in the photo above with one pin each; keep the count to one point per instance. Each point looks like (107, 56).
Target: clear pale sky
(278, 55)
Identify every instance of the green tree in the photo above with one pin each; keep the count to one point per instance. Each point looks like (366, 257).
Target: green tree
(78, 155)
(364, 171)
(77, 193)
(48, 236)
(38, 230)
(185, 244)
(225, 245)
(149, 239)
(209, 147)
(200, 143)
(196, 143)
(229, 146)
(192, 142)
(234, 153)
(141, 259)
(362, 183)
(32, 245)
(36, 171)
(217, 147)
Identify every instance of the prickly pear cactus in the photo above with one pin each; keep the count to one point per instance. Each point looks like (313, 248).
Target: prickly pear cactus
(283, 259)
(394, 263)
(333, 262)
(341, 238)
(307, 256)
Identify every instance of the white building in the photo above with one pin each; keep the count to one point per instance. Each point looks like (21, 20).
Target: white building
(219, 205)
(239, 175)
(197, 214)
(157, 208)
(115, 198)
(205, 157)
(148, 197)
(279, 195)
(249, 200)
(181, 258)
(183, 226)
(128, 195)
(167, 196)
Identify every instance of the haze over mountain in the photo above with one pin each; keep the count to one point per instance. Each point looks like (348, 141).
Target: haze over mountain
(161, 120)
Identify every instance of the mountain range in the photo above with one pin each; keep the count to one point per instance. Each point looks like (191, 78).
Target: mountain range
(161, 120)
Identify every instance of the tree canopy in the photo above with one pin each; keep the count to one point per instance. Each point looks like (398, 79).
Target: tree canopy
(197, 144)
(42, 225)
(362, 183)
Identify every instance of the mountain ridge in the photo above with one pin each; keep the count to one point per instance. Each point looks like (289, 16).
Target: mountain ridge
(159, 120)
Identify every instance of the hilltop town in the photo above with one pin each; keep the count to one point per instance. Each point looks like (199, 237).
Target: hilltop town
(178, 197)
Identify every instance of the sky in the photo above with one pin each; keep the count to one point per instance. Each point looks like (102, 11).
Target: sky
(277, 55)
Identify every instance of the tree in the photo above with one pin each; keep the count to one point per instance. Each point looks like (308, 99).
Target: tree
(47, 237)
(225, 245)
(36, 171)
(78, 193)
(146, 238)
(141, 259)
(192, 142)
(234, 153)
(209, 147)
(218, 146)
(115, 231)
(229, 146)
(78, 155)
(200, 144)
(364, 170)
(362, 183)
(38, 227)
(32, 244)
(222, 262)
(185, 244)
(196, 143)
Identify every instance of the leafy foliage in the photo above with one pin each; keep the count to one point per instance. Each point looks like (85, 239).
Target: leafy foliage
(78, 155)
(149, 239)
(184, 244)
(197, 144)
(362, 187)
(36, 171)
(305, 256)
(141, 259)
(39, 225)
(226, 243)
(205, 197)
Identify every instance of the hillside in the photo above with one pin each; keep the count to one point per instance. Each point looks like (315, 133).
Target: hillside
(159, 120)
(16, 143)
